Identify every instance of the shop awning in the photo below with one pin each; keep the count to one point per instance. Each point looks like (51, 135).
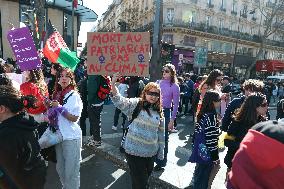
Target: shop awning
(269, 65)
(85, 14)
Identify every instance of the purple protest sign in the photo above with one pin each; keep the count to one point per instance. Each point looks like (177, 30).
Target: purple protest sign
(24, 49)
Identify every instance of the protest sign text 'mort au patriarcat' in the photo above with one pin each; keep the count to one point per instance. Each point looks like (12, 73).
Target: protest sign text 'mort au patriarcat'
(112, 52)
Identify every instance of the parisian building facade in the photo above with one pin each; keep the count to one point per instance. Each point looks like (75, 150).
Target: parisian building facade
(229, 30)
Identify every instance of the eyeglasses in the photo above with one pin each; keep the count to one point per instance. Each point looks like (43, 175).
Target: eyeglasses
(155, 94)
(218, 80)
(264, 104)
(166, 71)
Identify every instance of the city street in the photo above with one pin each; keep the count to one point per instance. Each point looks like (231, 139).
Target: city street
(105, 167)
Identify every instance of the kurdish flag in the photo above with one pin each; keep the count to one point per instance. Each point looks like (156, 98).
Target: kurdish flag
(56, 50)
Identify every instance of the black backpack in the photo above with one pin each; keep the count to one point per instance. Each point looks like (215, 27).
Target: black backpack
(280, 109)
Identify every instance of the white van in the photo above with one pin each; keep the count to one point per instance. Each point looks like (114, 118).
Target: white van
(276, 78)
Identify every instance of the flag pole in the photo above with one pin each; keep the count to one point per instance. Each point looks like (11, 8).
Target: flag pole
(72, 26)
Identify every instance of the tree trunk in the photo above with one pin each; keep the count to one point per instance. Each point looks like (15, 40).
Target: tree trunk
(155, 63)
(40, 12)
(258, 57)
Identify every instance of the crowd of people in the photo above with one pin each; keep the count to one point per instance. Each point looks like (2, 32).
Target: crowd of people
(45, 116)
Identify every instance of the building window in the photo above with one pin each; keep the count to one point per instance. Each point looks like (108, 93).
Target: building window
(223, 4)
(170, 15)
(221, 23)
(67, 30)
(234, 6)
(208, 21)
(193, 18)
(210, 3)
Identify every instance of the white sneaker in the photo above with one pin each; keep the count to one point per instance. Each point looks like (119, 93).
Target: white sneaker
(114, 128)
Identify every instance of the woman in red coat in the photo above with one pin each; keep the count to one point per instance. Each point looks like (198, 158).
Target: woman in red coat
(36, 87)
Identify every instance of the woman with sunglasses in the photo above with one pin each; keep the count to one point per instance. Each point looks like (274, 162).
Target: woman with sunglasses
(252, 111)
(212, 82)
(145, 138)
(170, 94)
(207, 122)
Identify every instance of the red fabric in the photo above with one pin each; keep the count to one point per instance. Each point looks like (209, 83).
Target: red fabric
(53, 45)
(29, 88)
(75, 3)
(59, 96)
(259, 163)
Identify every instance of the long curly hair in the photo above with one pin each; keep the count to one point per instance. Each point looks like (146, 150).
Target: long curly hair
(145, 105)
(247, 112)
(36, 77)
(172, 68)
(207, 103)
(12, 99)
(210, 81)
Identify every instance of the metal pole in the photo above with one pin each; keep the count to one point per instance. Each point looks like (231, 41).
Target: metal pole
(72, 26)
(155, 63)
(236, 48)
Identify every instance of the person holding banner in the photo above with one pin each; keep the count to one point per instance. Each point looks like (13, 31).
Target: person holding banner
(36, 87)
(170, 94)
(145, 138)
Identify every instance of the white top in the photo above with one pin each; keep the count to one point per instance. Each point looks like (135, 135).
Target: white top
(122, 88)
(71, 130)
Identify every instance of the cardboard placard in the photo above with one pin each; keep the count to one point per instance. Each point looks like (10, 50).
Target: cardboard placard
(24, 49)
(123, 52)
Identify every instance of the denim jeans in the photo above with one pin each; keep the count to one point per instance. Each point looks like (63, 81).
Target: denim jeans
(116, 117)
(167, 114)
(201, 175)
(140, 170)
(68, 155)
(95, 121)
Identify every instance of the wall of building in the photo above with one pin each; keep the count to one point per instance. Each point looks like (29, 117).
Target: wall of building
(9, 18)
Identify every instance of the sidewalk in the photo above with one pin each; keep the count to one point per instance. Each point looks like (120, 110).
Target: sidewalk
(178, 172)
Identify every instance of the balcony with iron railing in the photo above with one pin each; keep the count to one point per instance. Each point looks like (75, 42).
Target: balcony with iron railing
(233, 12)
(270, 4)
(210, 5)
(202, 27)
(223, 9)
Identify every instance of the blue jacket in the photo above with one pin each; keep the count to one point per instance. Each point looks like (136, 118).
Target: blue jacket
(189, 90)
(233, 105)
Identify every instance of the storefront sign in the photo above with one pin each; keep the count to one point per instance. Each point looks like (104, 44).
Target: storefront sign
(200, 56)
(113, 52)
(24, 49)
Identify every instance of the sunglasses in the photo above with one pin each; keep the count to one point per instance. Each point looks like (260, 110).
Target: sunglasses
(155, 94)
(264, 104)
(218, 100)
(166, 71)
(218, 80)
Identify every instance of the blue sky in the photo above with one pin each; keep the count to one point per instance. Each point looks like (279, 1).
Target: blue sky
(99, 6)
